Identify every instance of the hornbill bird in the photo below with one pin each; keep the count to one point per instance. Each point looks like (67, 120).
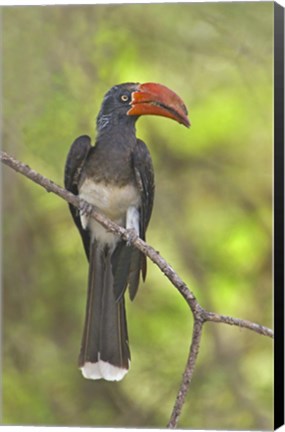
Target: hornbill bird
(116, 177)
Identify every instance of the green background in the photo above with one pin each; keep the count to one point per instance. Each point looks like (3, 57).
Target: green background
(212, 218)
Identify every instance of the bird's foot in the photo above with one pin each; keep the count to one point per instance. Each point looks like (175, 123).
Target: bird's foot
(131, 236)
(85, 208)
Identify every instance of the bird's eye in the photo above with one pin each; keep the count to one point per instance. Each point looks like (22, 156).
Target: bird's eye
(124, 98)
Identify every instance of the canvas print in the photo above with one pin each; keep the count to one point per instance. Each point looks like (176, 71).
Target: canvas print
(137, 293)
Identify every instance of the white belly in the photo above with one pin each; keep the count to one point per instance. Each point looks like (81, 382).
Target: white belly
(113, 201)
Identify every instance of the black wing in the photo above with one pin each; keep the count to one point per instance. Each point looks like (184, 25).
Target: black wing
(73, 166)
(145, 180)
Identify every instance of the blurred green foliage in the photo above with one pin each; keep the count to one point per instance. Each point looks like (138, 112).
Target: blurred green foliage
(212, 217)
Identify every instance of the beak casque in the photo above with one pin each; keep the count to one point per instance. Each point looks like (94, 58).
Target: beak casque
(157, 99)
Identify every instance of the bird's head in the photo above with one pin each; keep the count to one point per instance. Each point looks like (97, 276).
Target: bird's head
(131, 100)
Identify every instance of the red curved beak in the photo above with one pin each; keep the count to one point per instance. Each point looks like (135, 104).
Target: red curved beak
(157, 99)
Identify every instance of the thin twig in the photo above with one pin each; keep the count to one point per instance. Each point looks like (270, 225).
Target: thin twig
(265, 331)
(200, 315)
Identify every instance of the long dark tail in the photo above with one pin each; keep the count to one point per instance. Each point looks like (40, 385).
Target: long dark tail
(104, 350)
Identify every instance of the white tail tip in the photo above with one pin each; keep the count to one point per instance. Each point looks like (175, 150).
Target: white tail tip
(103, 370)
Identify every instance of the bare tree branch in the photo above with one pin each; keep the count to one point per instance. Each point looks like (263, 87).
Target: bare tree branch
(188, 373)
(200, 315)
(211, 316)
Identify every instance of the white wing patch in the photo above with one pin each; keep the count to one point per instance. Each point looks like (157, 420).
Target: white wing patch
(133, 219)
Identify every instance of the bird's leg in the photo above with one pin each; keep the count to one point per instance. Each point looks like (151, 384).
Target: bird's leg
(85, 208)
(85, 211)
